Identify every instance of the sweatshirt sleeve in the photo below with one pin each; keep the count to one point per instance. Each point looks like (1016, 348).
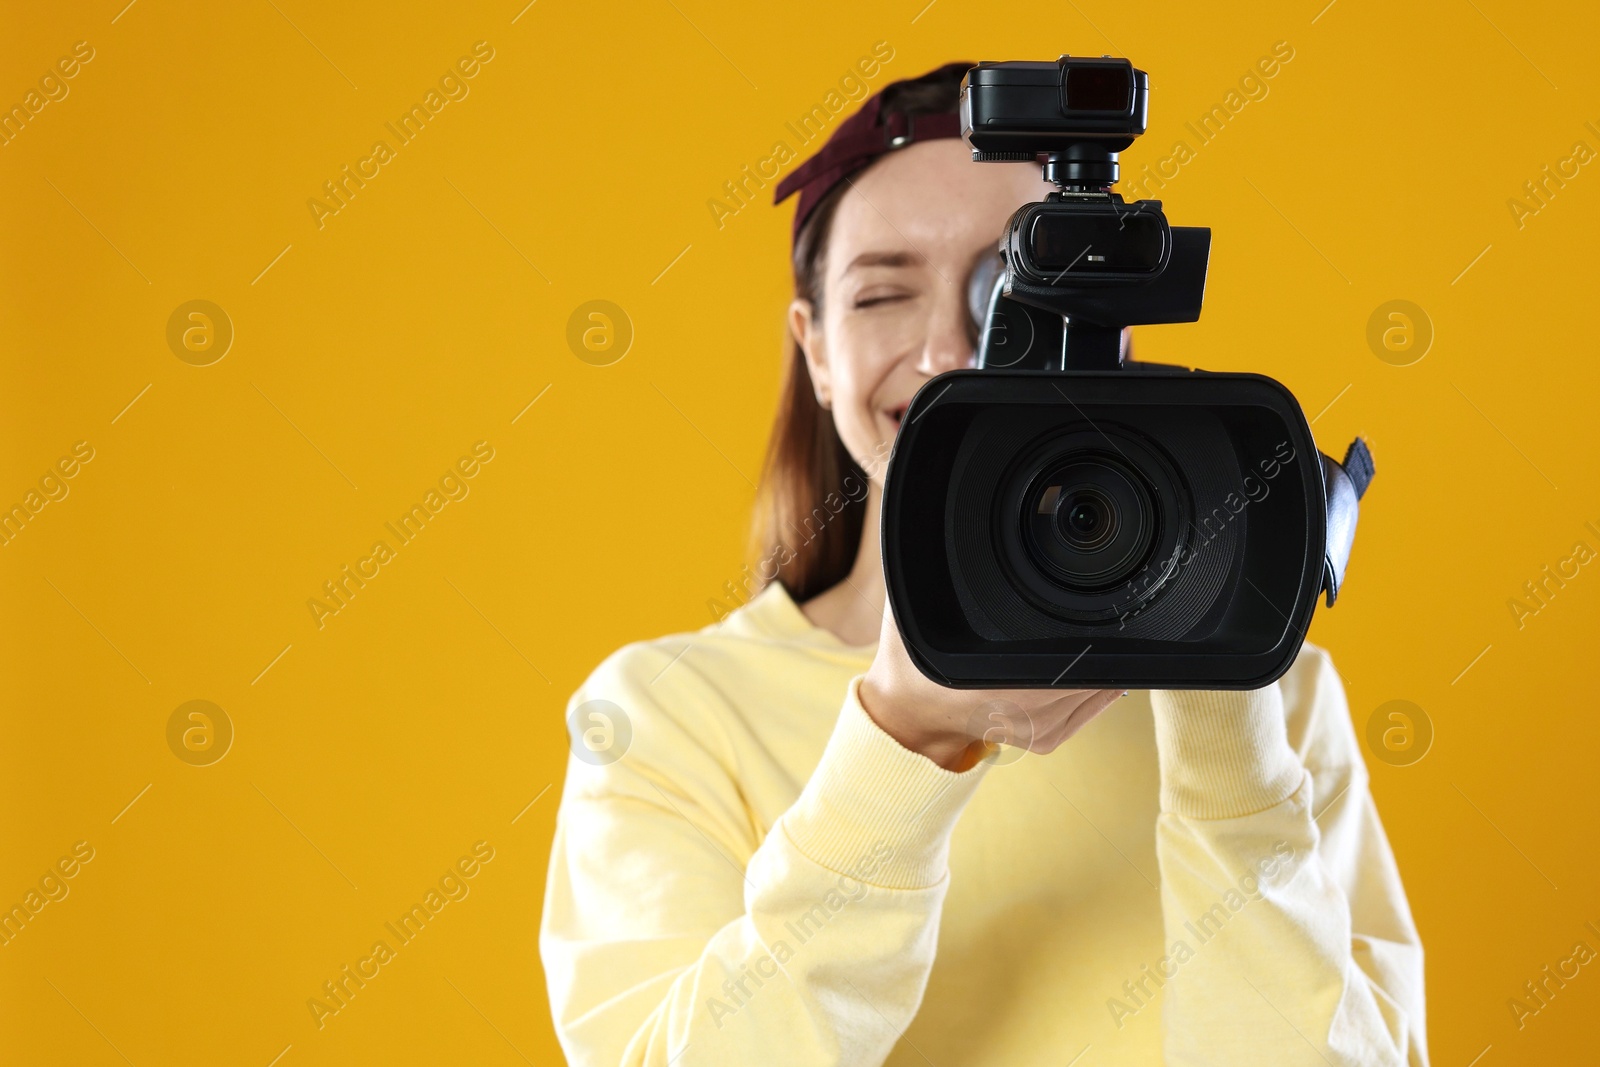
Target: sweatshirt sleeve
(1291, 938)
(676, 932)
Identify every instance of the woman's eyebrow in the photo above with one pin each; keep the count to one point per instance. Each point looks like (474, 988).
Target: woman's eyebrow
(882, 259)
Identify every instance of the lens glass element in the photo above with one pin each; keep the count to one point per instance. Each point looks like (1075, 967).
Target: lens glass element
(1089, 521)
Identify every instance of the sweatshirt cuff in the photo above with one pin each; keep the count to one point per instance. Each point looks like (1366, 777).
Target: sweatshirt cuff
(1223, 754)
(870, 795)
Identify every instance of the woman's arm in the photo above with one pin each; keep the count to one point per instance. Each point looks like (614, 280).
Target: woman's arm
(676, 932)
(1290, 937)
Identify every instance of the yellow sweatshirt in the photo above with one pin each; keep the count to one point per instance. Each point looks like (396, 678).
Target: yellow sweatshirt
(759, 875)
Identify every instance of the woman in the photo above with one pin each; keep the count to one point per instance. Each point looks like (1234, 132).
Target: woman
(793, 861)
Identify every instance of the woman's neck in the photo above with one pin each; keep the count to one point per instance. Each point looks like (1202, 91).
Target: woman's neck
(852, 610)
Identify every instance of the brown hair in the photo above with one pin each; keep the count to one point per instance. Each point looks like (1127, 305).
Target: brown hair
(808, 521)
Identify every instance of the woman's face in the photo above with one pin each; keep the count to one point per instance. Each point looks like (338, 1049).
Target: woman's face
(905, 238)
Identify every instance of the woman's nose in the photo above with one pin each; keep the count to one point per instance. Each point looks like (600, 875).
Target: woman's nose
(949, 342)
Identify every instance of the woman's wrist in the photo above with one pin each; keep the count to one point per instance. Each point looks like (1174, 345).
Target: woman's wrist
(904, 716)
(1223, 754)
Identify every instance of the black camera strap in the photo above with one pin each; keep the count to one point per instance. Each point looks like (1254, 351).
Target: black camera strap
(1344, 485)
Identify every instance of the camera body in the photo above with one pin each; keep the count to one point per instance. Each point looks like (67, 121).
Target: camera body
(1060, 518)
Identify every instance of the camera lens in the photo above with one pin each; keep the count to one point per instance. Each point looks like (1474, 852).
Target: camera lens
(1089, 521)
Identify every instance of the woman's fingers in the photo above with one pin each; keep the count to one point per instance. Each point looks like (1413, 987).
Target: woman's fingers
(1038, 721)
(1093, 705)
(1064, 717)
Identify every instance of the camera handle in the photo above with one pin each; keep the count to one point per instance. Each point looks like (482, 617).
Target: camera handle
(1018, 336)
(1086, 346)
(1087, 171)
(1024, 326)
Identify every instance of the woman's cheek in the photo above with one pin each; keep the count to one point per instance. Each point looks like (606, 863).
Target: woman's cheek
(877, 345)
(856, 419)
(867, 347)
(854, 415)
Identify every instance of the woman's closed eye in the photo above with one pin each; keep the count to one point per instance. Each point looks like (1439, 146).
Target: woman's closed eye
(878, 299)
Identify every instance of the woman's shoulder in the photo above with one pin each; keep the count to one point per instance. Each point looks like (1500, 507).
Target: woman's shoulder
(760, 668)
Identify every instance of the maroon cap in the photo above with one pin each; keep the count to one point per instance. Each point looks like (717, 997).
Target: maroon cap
(859, 140)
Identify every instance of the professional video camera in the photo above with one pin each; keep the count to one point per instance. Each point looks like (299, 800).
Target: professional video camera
(1061, 518)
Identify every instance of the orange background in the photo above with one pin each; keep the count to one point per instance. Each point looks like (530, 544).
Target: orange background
(371, 353)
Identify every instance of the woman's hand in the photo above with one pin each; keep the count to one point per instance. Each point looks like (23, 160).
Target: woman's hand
(954, 727)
